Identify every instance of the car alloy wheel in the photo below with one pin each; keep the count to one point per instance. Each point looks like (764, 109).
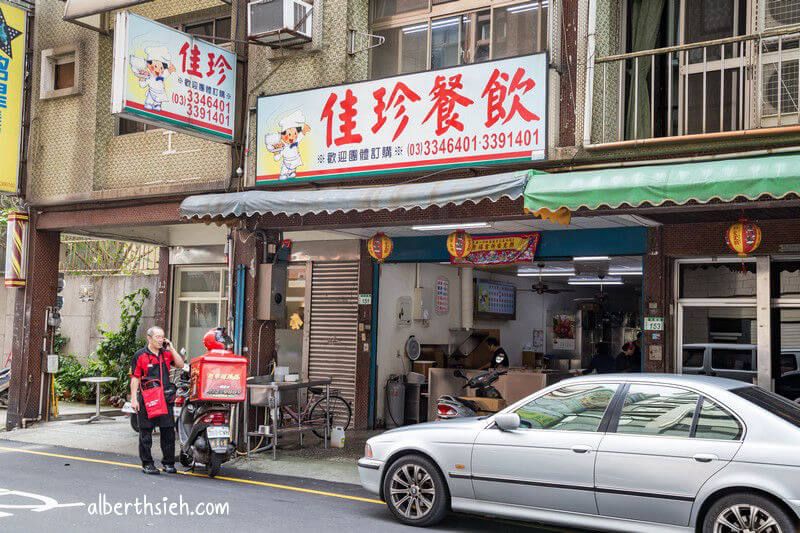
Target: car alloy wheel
(412, 491)
(745, 518)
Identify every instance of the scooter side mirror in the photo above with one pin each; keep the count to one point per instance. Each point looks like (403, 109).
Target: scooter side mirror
(507, 421)
(183, 352)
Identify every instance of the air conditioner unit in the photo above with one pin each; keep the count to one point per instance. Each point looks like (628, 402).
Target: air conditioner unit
(778, 13)
(279, 23)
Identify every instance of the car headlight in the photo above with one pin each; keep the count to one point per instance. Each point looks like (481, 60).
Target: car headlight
(367, 451)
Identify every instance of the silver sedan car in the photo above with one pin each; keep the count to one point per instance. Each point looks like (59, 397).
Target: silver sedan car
(627, 452)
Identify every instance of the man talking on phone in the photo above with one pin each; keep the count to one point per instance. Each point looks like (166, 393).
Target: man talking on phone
(153, 363)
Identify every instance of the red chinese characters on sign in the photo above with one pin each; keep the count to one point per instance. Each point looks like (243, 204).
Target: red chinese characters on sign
(193, 53)
(347, 118)
(445, 97)
(217, 64)
(496, 92)
(396, 99)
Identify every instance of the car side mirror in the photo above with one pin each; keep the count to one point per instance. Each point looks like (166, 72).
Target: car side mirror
(507, 421)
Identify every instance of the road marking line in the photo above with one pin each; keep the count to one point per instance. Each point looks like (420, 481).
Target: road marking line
(237, 480)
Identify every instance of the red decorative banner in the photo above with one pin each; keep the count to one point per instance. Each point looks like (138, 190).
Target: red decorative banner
(500, 250)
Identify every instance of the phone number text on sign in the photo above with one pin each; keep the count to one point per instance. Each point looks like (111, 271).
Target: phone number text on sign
(451, 145)
(205, 107)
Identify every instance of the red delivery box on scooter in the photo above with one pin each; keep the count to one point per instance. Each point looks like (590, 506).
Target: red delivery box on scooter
(218, 376)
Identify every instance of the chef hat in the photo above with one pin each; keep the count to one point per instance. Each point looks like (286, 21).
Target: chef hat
(158, 53)
(295, 120)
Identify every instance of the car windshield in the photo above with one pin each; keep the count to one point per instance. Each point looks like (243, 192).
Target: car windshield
(777, 405)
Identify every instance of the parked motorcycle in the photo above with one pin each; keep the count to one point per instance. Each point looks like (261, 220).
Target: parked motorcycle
(217, 380)
(448, 406)
(181, 395)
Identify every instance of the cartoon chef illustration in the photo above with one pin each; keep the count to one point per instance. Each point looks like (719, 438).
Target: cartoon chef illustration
(150, 72)
(284, 144)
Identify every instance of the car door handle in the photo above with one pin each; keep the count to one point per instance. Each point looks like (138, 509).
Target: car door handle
(581, 448)
(704, 457)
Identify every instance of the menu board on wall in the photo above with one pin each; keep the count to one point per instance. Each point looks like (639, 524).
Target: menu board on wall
(495, 300)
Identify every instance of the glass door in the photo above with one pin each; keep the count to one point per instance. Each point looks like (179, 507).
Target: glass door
(785, 282)
(200, 303)
(717, 321)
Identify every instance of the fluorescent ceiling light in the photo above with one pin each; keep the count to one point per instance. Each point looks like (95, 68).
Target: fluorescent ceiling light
(595, 281)
(532, 273)
(463, 225)
(522, 7)
(618, 272)
(591, 258)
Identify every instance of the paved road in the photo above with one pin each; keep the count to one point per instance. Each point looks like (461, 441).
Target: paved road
(48, 488)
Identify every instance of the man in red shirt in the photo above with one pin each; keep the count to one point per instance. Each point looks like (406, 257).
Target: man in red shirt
(145, 364)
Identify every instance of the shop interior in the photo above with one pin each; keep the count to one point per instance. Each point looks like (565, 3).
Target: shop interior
(550, 317)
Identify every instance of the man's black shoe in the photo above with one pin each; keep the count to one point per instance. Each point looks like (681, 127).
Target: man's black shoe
(170, 469)
(150, 469)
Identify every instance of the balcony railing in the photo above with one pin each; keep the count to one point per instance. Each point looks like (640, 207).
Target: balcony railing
(730, 84)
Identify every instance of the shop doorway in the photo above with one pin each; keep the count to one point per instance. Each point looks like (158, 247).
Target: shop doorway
(200, 303)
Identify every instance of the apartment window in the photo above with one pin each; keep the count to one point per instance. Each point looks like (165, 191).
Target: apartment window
(216, 31)
(420, 36)
(60, 72)
(126, 126)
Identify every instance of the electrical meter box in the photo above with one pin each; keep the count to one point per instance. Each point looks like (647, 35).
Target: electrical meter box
(271, 297)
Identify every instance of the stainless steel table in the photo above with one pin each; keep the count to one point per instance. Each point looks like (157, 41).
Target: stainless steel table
(98, 380)
(273, 395)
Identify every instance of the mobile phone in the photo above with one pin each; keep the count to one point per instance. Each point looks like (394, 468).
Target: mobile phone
(164, 345)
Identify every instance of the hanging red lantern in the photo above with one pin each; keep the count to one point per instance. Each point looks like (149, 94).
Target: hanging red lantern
(743, 237)
(459, 244)
(380, 247)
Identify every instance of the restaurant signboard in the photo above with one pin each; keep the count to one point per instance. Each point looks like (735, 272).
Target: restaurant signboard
(471, 115)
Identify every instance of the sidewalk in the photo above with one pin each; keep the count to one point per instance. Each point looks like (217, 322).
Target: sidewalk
(116, 436)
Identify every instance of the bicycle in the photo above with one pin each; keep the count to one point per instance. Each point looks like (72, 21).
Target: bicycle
(313, 412)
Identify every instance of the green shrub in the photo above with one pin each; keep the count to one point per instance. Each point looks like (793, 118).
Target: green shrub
(112, 357)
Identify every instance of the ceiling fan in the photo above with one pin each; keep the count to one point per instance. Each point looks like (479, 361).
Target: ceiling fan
(541, 287)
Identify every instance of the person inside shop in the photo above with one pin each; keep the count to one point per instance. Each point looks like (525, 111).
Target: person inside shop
(637, 346)
(627, 360)
(602, 361)
(153, 363)
(499, 355)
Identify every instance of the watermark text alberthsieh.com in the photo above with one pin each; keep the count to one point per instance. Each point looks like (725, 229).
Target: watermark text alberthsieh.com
(145, 506)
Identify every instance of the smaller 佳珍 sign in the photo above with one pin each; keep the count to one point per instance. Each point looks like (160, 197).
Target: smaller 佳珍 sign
(171, 79)
(500, 250)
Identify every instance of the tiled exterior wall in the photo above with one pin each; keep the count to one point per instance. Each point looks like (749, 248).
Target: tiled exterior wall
(74, 151)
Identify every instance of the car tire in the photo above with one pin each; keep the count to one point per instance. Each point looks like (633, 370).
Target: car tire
(725, 509)
(415, 491)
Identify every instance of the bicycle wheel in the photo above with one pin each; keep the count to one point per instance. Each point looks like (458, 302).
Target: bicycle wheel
(340, 414)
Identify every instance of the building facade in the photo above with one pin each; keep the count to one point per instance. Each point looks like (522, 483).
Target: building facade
(661, 124)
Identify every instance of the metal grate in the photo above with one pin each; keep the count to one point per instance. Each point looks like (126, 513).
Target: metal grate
(781, 13)
(333, 329)
(93, 257)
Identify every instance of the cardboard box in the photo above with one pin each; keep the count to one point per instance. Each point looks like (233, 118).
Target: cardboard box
(486, 404)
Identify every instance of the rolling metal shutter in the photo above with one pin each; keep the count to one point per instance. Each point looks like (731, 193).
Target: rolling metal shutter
(333, 329)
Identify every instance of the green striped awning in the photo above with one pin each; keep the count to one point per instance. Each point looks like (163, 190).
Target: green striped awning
(774, 176)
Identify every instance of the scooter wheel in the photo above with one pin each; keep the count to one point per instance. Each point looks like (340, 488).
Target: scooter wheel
(186, 459)
(135, 422)
(215, 464)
